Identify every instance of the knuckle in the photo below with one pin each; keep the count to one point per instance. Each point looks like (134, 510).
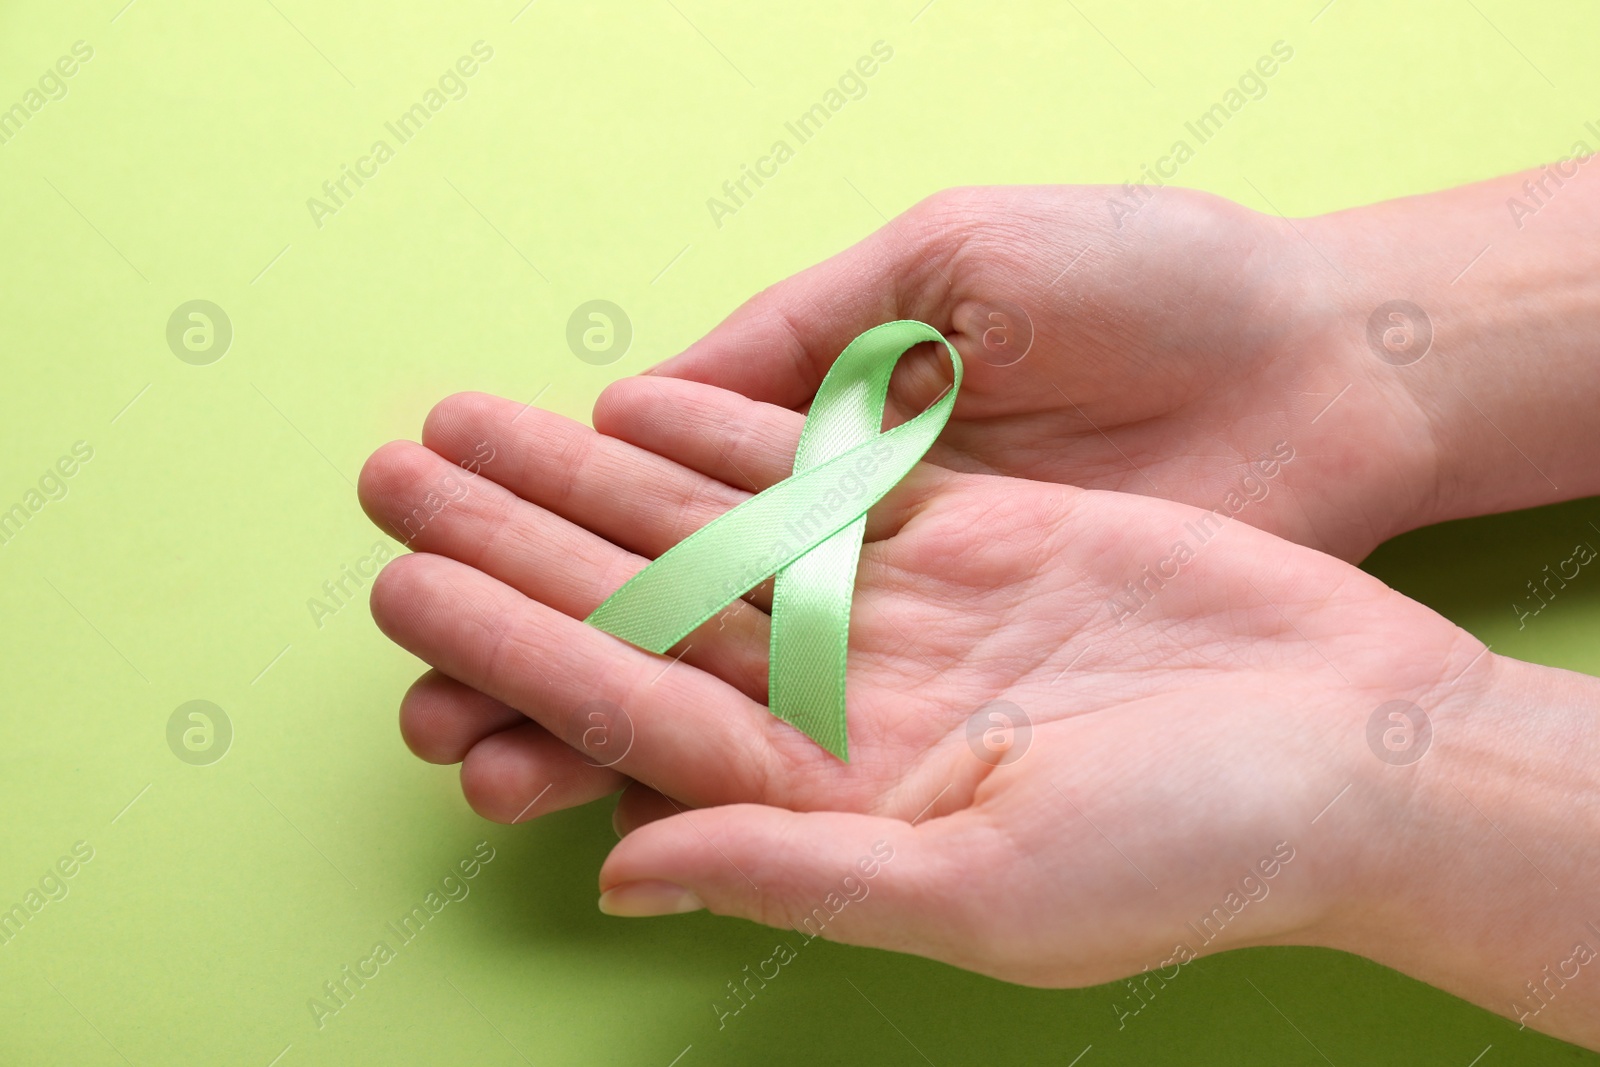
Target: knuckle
(571, 455)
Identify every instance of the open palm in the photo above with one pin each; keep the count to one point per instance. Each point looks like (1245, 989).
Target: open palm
(1165, 717)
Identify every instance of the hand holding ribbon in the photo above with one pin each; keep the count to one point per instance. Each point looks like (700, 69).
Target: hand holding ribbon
(807, 530)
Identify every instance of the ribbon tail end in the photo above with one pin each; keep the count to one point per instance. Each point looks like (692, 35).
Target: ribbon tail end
(835, 739)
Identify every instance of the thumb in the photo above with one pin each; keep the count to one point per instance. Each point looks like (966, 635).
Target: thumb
(858, 879)
(777, 346)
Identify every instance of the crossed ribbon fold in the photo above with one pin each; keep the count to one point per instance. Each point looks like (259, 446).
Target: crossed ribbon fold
(807, 530)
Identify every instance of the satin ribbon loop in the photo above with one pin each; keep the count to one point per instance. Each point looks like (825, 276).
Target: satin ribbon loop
(807, 530)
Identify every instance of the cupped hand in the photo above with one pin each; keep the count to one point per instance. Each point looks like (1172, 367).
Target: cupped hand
(1079, 720)
(1163, 343)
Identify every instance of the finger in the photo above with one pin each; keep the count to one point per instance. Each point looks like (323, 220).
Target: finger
(550, 666)
(639, 805)
(734, 439)
(526, 771)
(744, 443)
(859, 879)
(444, 721)
(440, 719)
(627, 495)
(777, 346)
(411, 491)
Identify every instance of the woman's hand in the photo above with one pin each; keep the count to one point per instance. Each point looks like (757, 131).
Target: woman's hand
(1420, 359)
(1092, 733)
(1163, 352)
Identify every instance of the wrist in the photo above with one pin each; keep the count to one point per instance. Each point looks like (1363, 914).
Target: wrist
(1483, 337)
(1374, 466)
(1478, 860)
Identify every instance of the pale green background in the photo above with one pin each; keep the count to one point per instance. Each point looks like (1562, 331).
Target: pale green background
(215, 505)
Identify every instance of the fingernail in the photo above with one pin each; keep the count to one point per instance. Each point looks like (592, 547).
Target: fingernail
(642, 900)
(616, 821)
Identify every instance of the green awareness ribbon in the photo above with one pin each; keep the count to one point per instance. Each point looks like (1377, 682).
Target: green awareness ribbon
(807, 530)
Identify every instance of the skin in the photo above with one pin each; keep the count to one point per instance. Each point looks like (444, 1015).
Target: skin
(1198, 337)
